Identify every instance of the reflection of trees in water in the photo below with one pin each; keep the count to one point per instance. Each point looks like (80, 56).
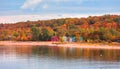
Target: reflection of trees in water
(24, 50)
(40, 50)
(65, 52)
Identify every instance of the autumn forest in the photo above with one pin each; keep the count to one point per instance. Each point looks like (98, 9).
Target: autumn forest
(91, 29)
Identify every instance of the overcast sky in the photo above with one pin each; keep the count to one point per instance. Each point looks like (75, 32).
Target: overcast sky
(22, 10)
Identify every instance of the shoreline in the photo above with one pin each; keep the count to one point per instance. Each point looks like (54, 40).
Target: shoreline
(62, 44)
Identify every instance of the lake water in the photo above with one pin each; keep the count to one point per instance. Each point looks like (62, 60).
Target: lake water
(53, 57)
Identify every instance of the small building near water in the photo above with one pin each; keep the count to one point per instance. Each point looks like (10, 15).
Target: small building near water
(64, 39)
(54, 38)
(81, 39)
(69, 39)
(73, 39)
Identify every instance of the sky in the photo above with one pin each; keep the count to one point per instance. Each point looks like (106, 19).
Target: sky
(23, 10)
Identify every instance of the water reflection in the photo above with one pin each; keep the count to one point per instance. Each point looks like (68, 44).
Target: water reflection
(69, 52)
(62, 52)
(54, 57)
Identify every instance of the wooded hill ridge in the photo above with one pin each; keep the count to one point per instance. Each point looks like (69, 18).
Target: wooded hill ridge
(91, 29)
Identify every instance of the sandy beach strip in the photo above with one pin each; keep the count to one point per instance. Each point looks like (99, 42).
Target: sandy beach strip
(75, 45)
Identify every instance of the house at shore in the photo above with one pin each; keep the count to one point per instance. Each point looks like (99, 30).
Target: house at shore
(69, 39)
(64, 39)
(81, 39)
(54, 38)
(73, 39)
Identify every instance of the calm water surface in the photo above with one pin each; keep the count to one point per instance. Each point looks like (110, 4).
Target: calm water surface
(44, 57)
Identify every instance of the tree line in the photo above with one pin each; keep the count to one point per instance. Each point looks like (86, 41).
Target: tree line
(91, 29)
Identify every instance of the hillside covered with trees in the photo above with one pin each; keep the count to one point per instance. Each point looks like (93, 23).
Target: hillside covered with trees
(91, 29)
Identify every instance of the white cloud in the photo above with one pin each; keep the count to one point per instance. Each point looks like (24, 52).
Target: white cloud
(19, 18)
(30, 4)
